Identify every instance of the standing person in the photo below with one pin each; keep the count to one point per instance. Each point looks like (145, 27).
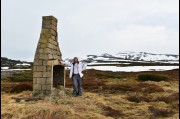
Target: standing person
(76, 75)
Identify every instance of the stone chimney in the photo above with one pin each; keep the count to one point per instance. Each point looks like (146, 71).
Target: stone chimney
(45, 77)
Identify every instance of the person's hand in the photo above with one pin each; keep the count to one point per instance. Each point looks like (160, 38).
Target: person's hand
(59, 62)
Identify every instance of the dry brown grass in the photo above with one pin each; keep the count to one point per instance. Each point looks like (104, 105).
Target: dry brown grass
(124, 98)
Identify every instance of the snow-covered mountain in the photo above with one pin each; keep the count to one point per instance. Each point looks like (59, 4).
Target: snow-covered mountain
(147, 56)
(133, 56)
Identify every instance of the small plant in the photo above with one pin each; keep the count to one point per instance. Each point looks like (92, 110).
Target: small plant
(169, 99)
(114, 75)
(161, 112)
(152, 77)
(109, 111)
(138, 98)
(21, 87)
(147, 88)
(120, 87)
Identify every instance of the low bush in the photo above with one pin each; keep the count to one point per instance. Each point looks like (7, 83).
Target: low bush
(108, 74)
(21, 87)
(22, 76)
(138, 98)
(147, 88)
(120, 87)
(161, 112)
(109, 111)
(169, 99)
(152, 77)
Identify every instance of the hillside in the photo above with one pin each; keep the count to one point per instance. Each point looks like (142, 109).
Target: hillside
(14, 64)
(106, 95)
(122, 61)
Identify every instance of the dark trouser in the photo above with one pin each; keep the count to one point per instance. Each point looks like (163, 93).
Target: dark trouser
(77, 84)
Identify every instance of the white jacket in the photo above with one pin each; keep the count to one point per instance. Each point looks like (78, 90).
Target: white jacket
(80, 65)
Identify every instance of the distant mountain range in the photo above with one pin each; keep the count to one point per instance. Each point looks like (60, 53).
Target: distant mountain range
(13, 64)
(134, 56)
(121, 56)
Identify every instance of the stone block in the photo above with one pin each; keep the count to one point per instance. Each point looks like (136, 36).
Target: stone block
(53, 32)
(37, 62)
(40, 50)
(45, 63)
(47, 50)
(43, 45)
(54, 27)
(41, 80)
(46, 26)
(53, 37)
(55, 57)
(51, 41)
(46, 33)
(34, 80)
(57, 52)
(50, 56)
(55, 43)
(48, 68)
(45, 22)
(43, 41)
(34, 68)
(37, 74)
(54, 23)
(49, 18)
(41, 68)
(49, 45)
(48, 81)
(47, 74)
(46, 87)
(43, 56)
(37, 87)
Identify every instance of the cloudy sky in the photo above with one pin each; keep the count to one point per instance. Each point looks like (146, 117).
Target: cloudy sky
(91, 26)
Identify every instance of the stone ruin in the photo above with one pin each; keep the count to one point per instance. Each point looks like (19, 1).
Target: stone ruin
(45, 76)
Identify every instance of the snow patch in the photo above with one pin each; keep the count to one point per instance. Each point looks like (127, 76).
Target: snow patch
(133, 68)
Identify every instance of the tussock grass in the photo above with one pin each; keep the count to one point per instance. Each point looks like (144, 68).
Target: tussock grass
(169, 99)
(139, 98)
(147, 88)
(105, 98)
(160, 112)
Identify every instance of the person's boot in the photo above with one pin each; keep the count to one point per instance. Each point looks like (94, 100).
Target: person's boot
(75, 94)
(79, 93)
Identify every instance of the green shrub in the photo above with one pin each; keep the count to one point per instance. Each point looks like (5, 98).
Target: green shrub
(22, 76)
(4, 79)
(152, 77)
(21, 87)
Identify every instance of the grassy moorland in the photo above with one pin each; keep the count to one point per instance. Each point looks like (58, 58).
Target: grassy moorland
(106, 94)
